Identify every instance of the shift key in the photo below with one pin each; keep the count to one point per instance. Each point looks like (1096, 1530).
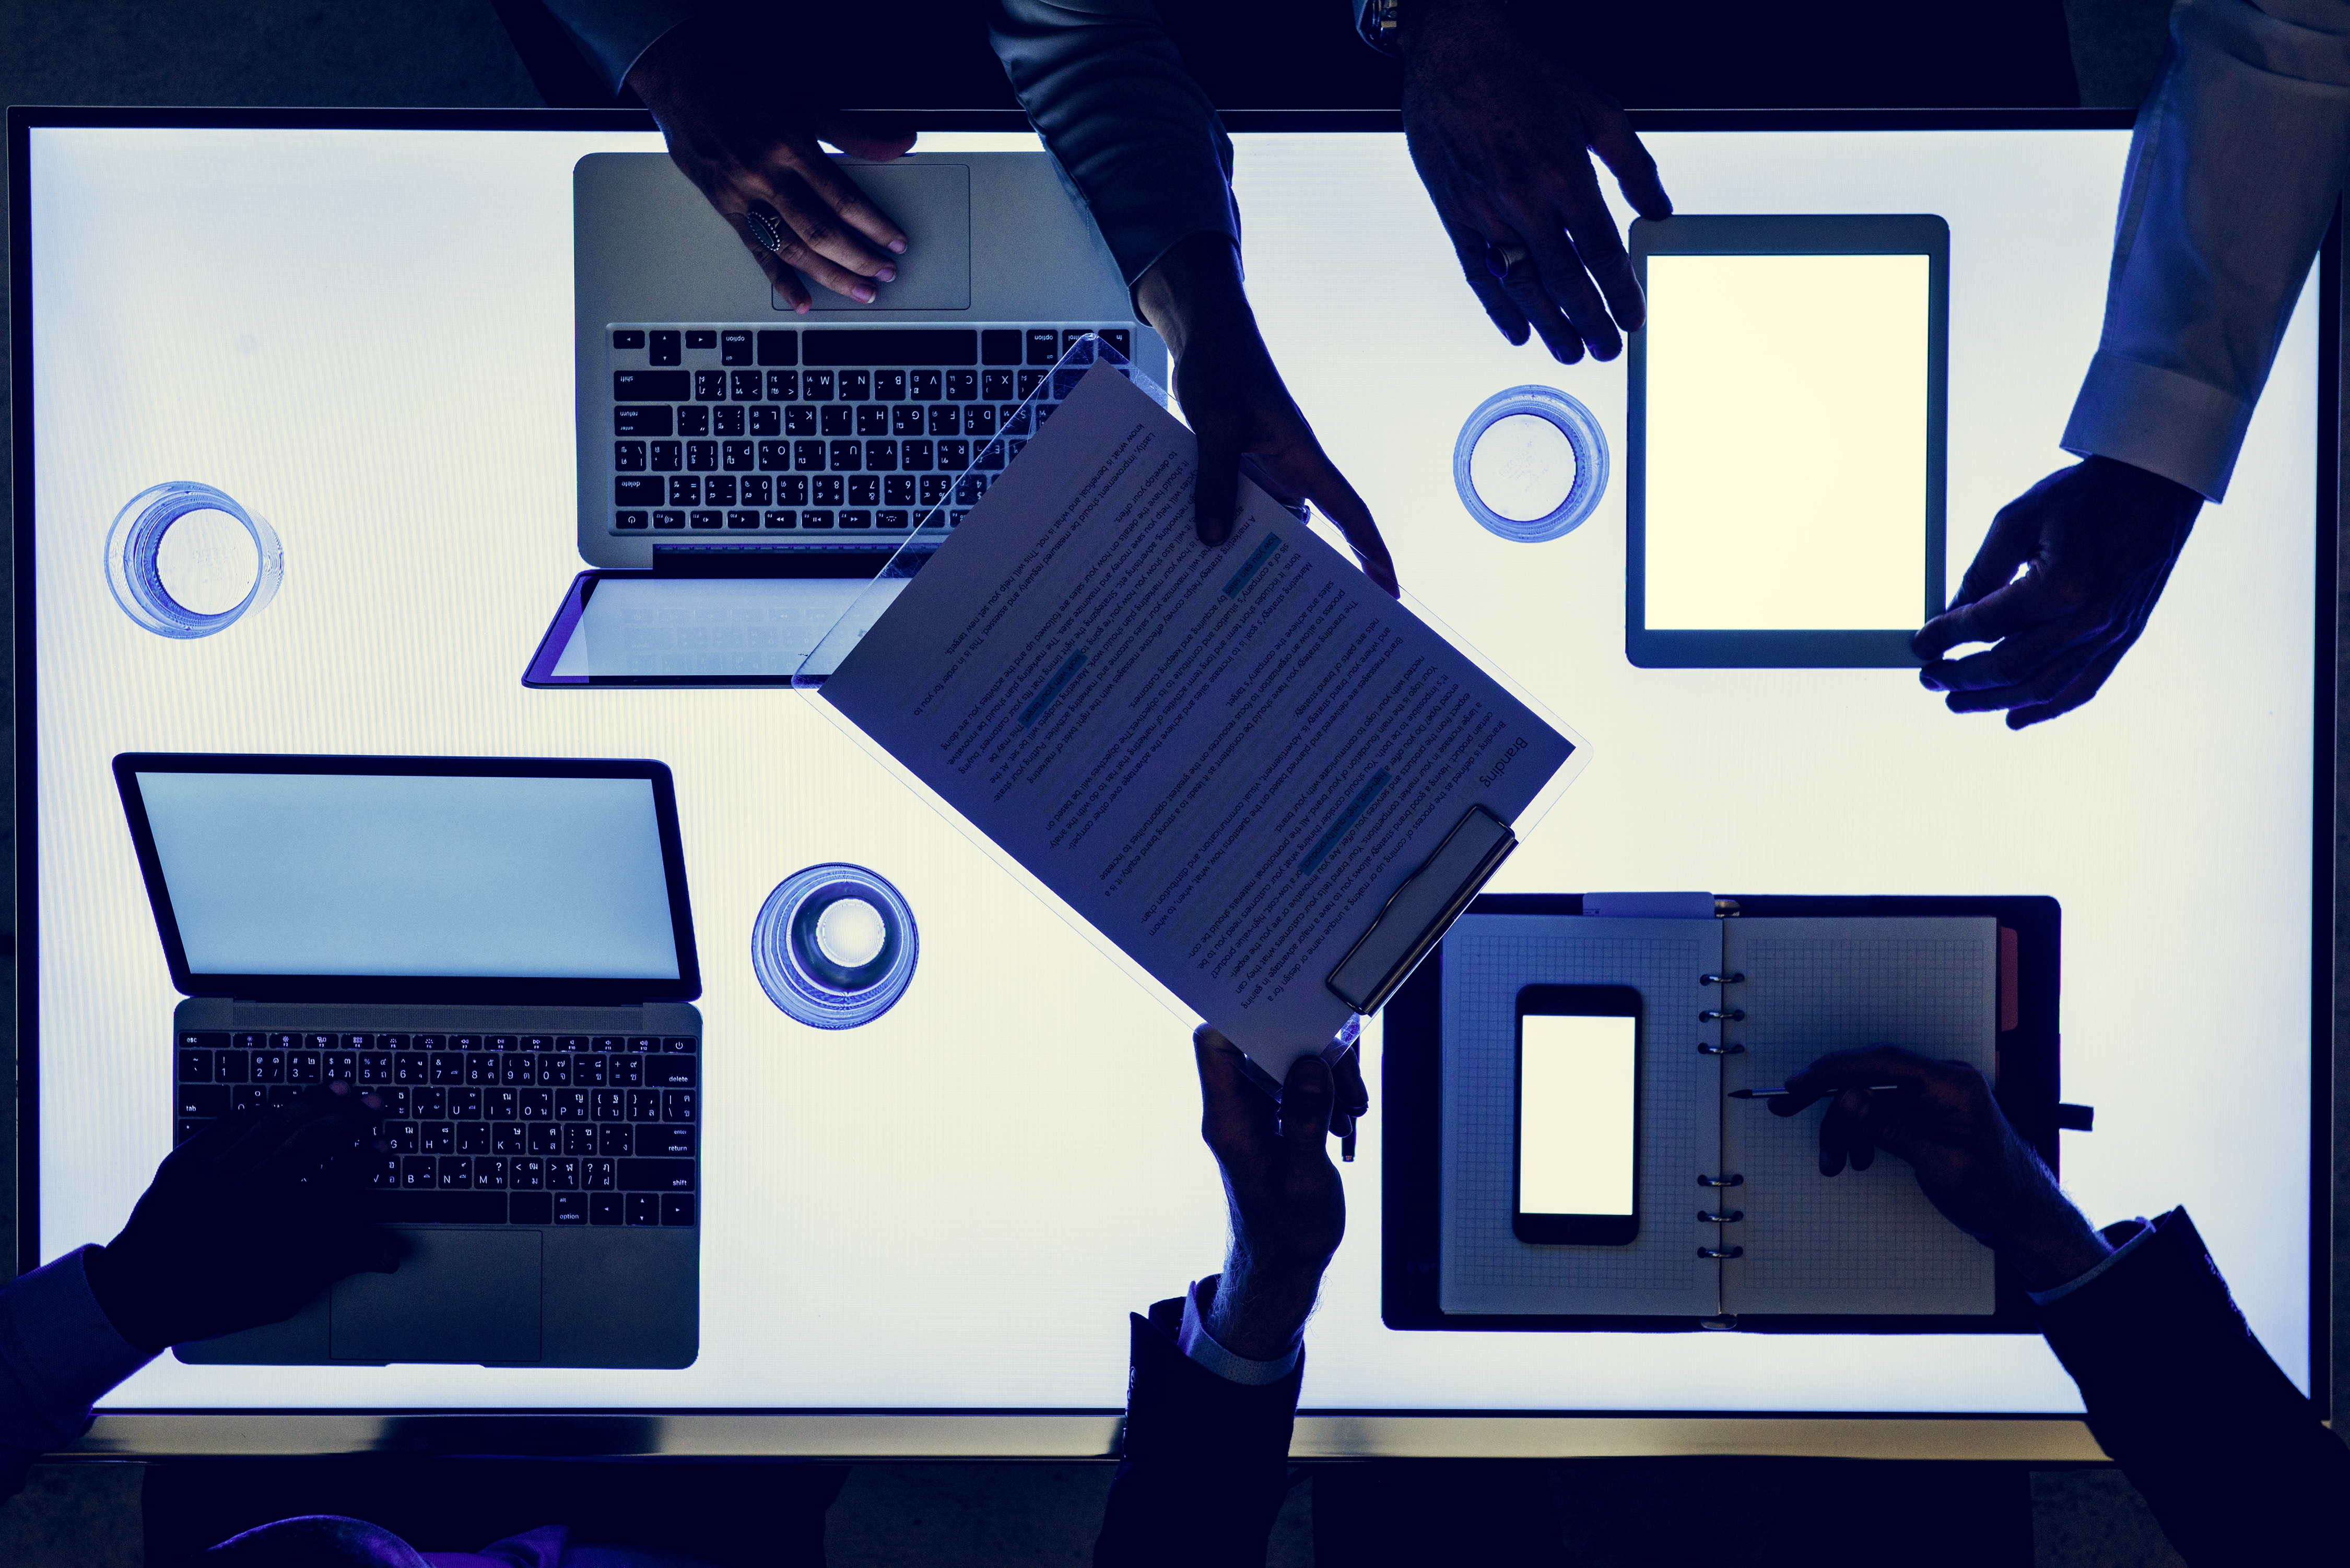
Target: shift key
(656, 1175)
(651, 386)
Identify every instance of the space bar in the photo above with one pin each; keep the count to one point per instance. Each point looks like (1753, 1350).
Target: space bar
(433, 1208)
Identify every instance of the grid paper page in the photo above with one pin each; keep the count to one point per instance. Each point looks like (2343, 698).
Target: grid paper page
(1862, 1241)
(1484, 1267)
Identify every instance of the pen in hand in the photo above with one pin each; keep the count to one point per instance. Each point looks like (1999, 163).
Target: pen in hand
(1774, 1093)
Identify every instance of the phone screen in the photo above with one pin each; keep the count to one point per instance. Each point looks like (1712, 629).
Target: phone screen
(1577, 1118)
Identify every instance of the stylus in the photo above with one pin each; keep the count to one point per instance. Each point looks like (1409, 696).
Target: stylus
(1774, 1093)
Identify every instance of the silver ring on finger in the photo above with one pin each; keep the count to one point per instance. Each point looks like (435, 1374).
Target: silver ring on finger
(766, 226)
(1510, 256)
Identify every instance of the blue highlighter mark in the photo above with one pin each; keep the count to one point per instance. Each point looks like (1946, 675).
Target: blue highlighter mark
(1252, 566)
(1346, 822)
(1053, 687)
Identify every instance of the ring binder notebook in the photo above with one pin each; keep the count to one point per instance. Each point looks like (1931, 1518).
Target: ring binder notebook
(1261, 785)
(1770, 1245)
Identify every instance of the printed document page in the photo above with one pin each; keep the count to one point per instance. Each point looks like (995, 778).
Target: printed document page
(1227, 760)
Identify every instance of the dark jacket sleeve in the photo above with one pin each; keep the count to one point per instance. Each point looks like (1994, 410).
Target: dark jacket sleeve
(1205, 1464)
(2229, 1454)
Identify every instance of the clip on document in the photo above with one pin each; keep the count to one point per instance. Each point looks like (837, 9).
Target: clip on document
(1261, 783)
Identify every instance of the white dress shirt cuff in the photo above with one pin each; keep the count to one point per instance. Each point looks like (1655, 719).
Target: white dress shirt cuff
(2187, 430)
(2043, 1298)
(1194, 1340)
(59, 1356)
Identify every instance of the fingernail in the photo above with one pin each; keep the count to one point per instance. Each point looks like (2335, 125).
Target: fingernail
(801, 308)
(338, 1087)
(887, 274)
(1929, 682)
(898, 245)
(861, 294)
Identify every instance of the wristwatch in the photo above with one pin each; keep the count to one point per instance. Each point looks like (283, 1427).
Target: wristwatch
(1374, 20)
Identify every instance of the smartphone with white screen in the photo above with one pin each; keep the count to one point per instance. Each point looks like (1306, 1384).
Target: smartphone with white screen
(1578, 1123)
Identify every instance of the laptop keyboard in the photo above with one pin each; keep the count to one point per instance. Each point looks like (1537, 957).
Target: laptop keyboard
(818, 435)
(484, 1129)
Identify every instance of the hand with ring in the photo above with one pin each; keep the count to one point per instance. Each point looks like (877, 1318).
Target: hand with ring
(1502, 136)
(752, 151)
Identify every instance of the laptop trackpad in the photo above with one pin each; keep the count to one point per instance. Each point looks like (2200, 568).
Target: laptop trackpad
(932, 201)
(460, 1295)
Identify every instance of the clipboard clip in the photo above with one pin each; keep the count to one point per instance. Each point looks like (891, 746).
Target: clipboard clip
(1417, 914)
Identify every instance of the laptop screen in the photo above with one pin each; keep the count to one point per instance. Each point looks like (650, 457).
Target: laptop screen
(257, 872)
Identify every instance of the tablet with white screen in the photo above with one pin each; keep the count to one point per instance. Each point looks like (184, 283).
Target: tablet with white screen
(1785, 504)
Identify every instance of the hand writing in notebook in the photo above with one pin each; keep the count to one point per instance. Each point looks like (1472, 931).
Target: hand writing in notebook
(1969, 1162)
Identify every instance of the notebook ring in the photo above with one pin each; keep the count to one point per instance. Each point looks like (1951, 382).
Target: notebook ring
(1735, 1015)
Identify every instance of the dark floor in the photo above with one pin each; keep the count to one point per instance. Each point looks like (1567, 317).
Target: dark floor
(454, 52)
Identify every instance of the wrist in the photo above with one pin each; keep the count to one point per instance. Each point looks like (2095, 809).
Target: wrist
(1417, 21)
(1259, 1314)
(1193, 288)
(2052, 1244)
(101, 1269)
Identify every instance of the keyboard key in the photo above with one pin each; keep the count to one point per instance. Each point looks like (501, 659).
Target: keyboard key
(825, 489)
(906, 419)
(544, 1137)
(579, 1137)
(456, 1174)
(517, 1070)
(728, 420)
(473, 1138)
(766, 419)
(774, 456)
(736, 454)
(464, 1104)
(915, 454)
(807, 456)
(195, 1067)
(791, 490)
(706, 519)
(999, 347)
(837, 419)
(662, 345)
(758, 489)
(571, 1209)
(889, 385)
(677, 1208)
(430, 1105)
(816, 385)
(978, 420)
(650, 420)
(269, 1068)
(779, 348)
(377, 1170)
(857, 518)
(863, 489)
(746, 386)
(1121, 338)
(394, 1099)
(934, 488)
(856, 385)
(628, 456)
(946, 419)
(897, 490)
(489, 1172)
(185, 1127)
(669, 519)
(709, 386)
(433, 1208)
(799, 420)
(925, 385)
(701, 337)
(398, 1137)
(741, 518)
(650, 386)
(629, 520)
(684, 490)
(1043, 346)
(816, 518)
(662, 1142)
(604, 1209)
(563, 1175)
(232, 1066)
(526, 1175)
(203, 1100)
(637, 490)
(571, 1105)
(610, 1104)
(342, 1066)
(445, 1067)
(628, 338)
(535, 1104)
(419, 1173)
(889, 345)
(612, 1139)
(677, 1104)
(1015, 419)
(954, 455)
(645, 1105)
(281, 1094)
(872, 418)
(436, 1137)
(672, 1072)
(702, 456)
(598, 1175)
(532, 1209)
(409, 1067)
(734, 347)
(626, 1071)
(644, 1208)
(693, 421)
(305, 1067)
(844, 456)
(664, 457)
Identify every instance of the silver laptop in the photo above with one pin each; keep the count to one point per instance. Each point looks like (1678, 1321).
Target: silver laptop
(714, 420)
(503, 948)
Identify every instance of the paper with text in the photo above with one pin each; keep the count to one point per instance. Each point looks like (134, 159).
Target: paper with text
(1226, 760)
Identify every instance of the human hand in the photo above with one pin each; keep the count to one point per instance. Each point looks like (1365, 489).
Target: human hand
(1225, 379)
(2096, 542)
(1969, 1161)
(752, 151)
(1288, 1208)
(241, 1225)
(1502, 135)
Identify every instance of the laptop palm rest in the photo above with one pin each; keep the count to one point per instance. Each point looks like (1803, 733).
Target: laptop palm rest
(460, 1295)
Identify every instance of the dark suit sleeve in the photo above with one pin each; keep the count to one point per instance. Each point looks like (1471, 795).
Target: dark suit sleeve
(2229, 1454)
(1205, 1464)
